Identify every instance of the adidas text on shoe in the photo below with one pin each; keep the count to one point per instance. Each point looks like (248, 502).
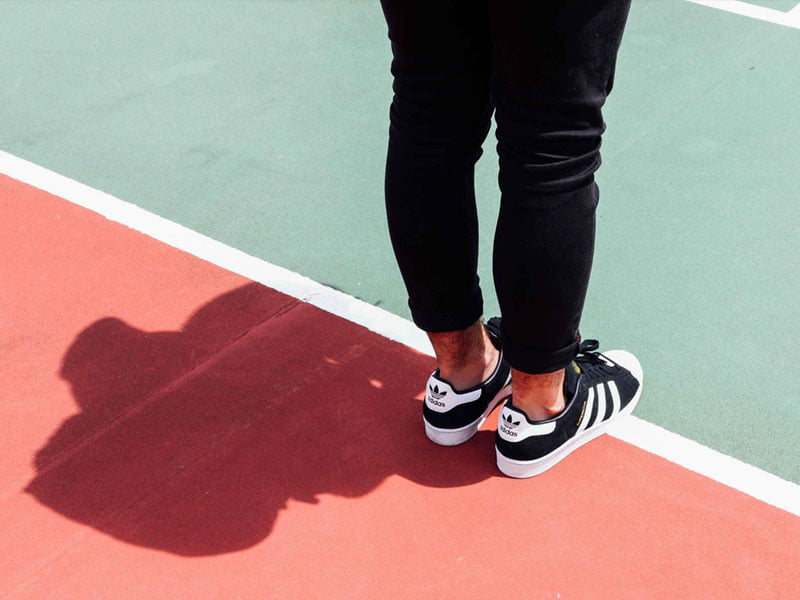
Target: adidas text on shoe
(452, 417)
(599, 388)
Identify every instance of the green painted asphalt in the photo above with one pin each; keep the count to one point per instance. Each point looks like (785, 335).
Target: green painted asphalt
(264, 125)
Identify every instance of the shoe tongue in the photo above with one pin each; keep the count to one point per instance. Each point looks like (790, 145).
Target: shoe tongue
(571, 376)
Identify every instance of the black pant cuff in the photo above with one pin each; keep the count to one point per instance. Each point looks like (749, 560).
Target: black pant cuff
(451, 318)
(537, 362)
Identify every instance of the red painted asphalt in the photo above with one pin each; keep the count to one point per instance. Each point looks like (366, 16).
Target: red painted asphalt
(172, 430)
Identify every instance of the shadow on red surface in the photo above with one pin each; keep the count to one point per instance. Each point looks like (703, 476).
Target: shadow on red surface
(192, 441)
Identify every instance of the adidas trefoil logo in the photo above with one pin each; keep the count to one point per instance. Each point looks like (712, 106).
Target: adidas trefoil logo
(508, 424)
(509, 421)
(435, 396)
(434, 390)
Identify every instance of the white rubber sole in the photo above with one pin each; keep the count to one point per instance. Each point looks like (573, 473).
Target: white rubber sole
(522, 469)
(454, 437)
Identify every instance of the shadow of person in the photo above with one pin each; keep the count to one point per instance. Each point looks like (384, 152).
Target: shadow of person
(192, 441)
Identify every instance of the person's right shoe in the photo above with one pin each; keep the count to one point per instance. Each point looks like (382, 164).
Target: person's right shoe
(598, 387)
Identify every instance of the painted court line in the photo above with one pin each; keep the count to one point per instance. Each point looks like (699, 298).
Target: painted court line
(652, 438)
(761, 13)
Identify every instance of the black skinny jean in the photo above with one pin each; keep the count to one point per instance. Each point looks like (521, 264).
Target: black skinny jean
(544, 68)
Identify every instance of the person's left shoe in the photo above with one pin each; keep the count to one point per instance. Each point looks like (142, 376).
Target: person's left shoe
(599, 388)
(452, 417)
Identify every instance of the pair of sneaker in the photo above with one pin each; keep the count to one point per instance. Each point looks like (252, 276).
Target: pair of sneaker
(598, 389)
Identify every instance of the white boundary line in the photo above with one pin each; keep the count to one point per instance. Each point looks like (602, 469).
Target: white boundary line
(761, 13)
(671, 446)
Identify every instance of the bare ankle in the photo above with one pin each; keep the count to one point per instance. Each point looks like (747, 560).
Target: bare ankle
(466, 357)
(540, 396)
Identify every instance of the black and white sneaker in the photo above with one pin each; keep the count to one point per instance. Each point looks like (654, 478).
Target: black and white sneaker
(599, 388)
(452, 417)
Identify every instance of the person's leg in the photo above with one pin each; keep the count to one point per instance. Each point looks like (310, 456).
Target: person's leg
(553, 68)
(440, 116)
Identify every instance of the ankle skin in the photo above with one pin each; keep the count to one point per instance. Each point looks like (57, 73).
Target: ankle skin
(466, 357)
(540, 396)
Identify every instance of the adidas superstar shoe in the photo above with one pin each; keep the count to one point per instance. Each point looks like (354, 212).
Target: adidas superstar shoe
(452, 417)
(599, 388)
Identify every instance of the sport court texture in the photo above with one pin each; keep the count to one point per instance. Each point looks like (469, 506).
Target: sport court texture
(173, 429)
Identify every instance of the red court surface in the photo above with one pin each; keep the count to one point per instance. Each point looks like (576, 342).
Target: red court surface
(172, 430)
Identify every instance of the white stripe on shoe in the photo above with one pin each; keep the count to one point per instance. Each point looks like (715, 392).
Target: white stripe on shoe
(615, 399)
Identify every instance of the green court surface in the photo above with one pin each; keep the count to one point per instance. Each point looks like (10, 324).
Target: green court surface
(263, 125)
